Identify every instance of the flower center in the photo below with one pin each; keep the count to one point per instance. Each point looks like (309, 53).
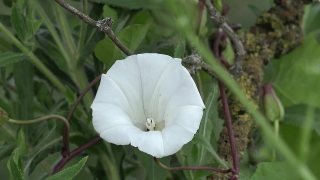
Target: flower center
(151, 124)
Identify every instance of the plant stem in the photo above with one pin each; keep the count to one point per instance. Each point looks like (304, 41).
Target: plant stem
(306, 133)
(73, 108)
(111, 169)
(229, 128)
(83, 29)
(276, 132)
(279, 144)
(53, 32)
(65, 31)
(190, 167)
(36, 62)
(101, 27)
(44, 118)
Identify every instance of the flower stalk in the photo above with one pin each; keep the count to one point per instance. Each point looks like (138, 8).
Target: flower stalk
(191, 167)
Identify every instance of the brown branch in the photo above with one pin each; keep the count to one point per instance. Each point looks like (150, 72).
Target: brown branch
(236, 69)
(196, 64)
(101, 25)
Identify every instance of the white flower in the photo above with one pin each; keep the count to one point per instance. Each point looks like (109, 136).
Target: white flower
(149, 101)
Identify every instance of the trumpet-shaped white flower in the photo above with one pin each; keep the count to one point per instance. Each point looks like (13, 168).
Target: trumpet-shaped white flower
(149, 101)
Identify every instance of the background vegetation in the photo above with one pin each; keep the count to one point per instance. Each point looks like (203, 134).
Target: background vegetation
(48, 56)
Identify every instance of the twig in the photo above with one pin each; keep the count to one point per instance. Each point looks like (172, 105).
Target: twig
(196, 64)
(66, 149)
(102, 25)
(75, 152)
(191, 167)
(215, 15)
(229, 128)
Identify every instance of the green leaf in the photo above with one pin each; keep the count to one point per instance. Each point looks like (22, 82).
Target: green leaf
(107, 52)
(311, 20)
(296, 115)
(132, 4)
(10, 57)
(23, 77)
(70, 172)
(181, 48)
(153, 170)
(49, 47)
(48, 144)
(14, 164)
(297, 76)
(199, 139)
(206, 124)
(18, 22)
(275, 170)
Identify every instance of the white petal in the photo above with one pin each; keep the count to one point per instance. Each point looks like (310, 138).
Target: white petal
(174, 137)
(126, 74)
(151, 68)
(149, 142)
(120, 134)
(188, 117)
(105, 116)
(110, 93)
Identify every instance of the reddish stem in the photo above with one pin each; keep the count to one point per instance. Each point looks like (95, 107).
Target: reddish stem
(66, 149)
(229, 128)
(65, 152)
(75, 152)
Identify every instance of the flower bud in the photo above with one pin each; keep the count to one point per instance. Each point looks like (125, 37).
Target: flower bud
(3, 116)
(271, 105)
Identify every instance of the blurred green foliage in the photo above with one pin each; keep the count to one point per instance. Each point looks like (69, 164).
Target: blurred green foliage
(48, 56)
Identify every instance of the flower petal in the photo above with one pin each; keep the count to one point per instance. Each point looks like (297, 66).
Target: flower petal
(174, 137)
(188, 117)
(105, 116)
(149, 142)
(151, 69)
(107, 92)
(120, 134)
(126, 74)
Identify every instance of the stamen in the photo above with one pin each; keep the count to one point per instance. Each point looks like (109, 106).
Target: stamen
(151, 124)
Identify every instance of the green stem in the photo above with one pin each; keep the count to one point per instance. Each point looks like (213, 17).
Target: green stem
(65, 31)
(306, 133)
(53, 32)
(44, 118)
(225, 77)
(110, 167)
(276, 132)
(36, 62)
(75, 72)
(83, 30)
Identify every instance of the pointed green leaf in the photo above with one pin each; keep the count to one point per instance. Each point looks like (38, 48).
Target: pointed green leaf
(18, 22)
(199, 139)
(70, 172)
(23, 78)
(10, 57)
(48, 144)
(14, 164)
